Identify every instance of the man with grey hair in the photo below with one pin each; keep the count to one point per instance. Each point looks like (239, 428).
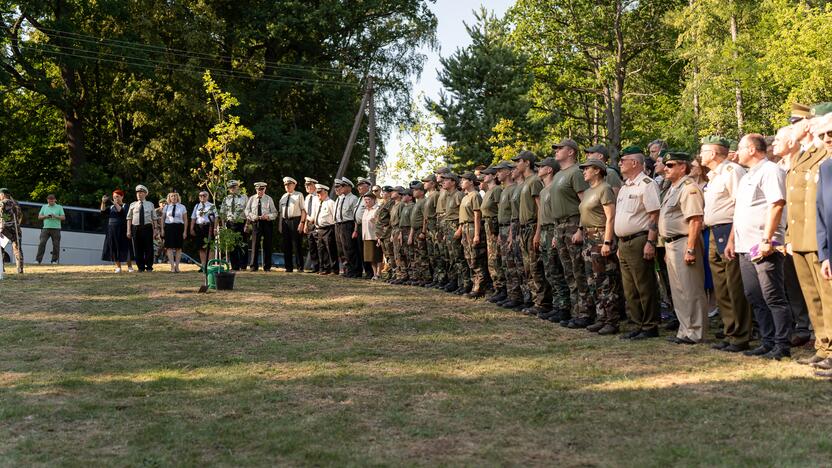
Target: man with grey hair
(655, 148)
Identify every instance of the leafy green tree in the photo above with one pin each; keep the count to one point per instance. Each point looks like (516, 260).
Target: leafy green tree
(422, 149)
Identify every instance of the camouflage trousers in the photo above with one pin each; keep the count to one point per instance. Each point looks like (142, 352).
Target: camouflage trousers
(388, 261)
(399, 255)
(513, 271)
(457, 267)
(436, 252)
(517, 250)
(573, 268)
(603, 278)
(492, 245)
(540, 291)
(475, 256)
(403, 267)
(553, 269)
(419, 264)
(15, 237)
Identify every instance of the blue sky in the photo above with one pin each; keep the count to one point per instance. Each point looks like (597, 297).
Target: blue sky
(451, 35)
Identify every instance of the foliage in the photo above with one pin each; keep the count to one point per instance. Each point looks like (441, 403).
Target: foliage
(421, 148)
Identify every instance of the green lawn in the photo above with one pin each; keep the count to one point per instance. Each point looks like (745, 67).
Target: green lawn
(302, 370)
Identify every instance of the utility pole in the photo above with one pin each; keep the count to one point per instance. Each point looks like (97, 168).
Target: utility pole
(345, 159)
(371, 116)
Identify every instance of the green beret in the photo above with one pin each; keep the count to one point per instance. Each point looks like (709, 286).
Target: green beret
(733, 144)
(632, 150)
(677, 156)
(821, 109)
(715, 140)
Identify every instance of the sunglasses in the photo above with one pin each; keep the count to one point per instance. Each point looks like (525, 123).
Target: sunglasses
(670, 165)
(261, 188)
(827, 134)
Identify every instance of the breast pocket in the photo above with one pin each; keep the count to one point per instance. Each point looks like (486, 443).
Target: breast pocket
(631, 204)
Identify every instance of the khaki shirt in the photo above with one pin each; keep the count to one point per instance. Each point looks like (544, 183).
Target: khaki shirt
(801, 199)
(528, 192)
(150, 213)
(395, 213)
(490, 202)
(504, 210)
(440, 204)
(637, 198)
(470, 203)
(683, 201)
(452, 202)
(515, 201)
(417, 215)
(720, 193)
(566, 185)
(404, 214)
(429, 207)
(383, 219)
(593, 203)
(290, 206)
(545, 214)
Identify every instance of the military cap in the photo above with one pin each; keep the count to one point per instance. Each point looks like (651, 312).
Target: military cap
(598, 149)
(362, 180)
(141, 188)
(233, 183)
(319, 187)
(470, 176)
(677, 156)
(632, 150)
(490, 170)
(387, 188)
(413, 182)
(417, 186)
(345, 181)
(451, 176)
(429, 178)
(821, 109)
(715, 140)
(337, 182)
(525, 155)
(4, 190)
(732, 145)
(567, 143)
(504, 165)
(260, 184)
(407, 192)
(399, 189)
(597, 163)
(801, 111)
(443, 170)
(549, 162)
(310, 180)
(289, 180)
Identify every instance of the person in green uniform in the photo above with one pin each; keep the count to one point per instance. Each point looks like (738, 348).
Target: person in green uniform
(541, 293)
(443, 273)
(403, 271)
(430, 228)
(515, 239)
(417, 239)
(457, 269)
(491, 224)
(601, 153)
(512, 270)
(544, 237)
(395, 233)
(569, 186)
(471, 234)
(383, 231)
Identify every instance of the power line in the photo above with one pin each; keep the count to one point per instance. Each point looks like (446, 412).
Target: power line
(177, 52)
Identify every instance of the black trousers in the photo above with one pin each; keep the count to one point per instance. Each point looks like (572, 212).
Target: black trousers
(237, 257)
(143, 246)
(261, 231)
(349, 245)
(292, 245)
(313, 248)
(327, 251)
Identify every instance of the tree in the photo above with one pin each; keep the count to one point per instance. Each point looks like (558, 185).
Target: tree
(484, 83)
(421, 150)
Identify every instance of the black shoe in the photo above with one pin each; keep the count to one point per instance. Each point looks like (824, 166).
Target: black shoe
(595, 327)
(509, 304)
(565, 323)
(800, 339)
(735, 348)
(579, 323)
(646, 334)
(459, 291)
(631, 335)
(758, 351)
(451, 287)
(719, 335)
(475, 295)
(810, 360)
(721, 345)
(499, 296)
(608, 329)
(672, 325)
(685, 340)
(778, 353)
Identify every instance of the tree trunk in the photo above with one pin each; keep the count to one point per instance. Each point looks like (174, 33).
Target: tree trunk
(74, 139)
(618, 90)
(737, 90)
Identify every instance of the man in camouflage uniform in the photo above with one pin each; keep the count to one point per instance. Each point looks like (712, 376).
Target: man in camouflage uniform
(429, 227)
(552, 267)
(418, 240)
(442, 274)
(384, 231)
(460, 281)
(511, 269)
(403, 267)
(568, 185)
(395, 233)
(489, 209)
(470, 229)
(516, 240)
(10, 218)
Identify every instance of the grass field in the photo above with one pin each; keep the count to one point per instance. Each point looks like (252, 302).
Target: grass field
(293, 369)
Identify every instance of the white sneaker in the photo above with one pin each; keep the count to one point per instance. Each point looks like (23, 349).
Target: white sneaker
(131, 270)
(118, 270)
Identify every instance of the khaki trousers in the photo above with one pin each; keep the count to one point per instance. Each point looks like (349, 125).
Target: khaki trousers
(730, 296)
(687, 285)
(818, 295)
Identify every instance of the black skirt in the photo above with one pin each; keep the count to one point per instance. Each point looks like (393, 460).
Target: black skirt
(202, 233)
(117, 247)
(173, 235)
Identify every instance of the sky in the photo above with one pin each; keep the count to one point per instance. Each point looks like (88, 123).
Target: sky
(451, 35)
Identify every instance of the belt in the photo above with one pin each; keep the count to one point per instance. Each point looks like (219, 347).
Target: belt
(505, 224)
(345, 222)
(203, 224)
(291, 217)
(668, 240)
(546, 225)
(593, 229)
(324, 227)
(529, 223)
(566, 218)
(632, 236)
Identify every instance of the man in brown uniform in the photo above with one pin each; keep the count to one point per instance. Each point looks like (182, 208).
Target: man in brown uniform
(680, 225)
(544, 238)
(460, 280)
(513, 270)
(471, 234)
(491, 224)
(443, 275)
(529, 201)
(383, 232)
(431, 230)
(417, 239)
(395, 234)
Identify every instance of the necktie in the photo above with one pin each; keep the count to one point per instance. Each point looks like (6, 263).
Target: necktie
(286, 208)
(318, 214)
(340, 204)
(233, 202)
(141, 213)
(309, 205)
(259, 207)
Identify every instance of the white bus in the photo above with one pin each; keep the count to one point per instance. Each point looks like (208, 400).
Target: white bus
(82, 235)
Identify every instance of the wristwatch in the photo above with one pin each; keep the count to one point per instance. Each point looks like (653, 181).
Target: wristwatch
(765, 241)
(606, 242)
(690, 252)
(651, 242)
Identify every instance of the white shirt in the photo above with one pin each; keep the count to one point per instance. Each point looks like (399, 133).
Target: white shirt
(149, 212)
(345, 208)
(325, 215)
(172, 214)
(761, 187)
(368, 223)
(203, 212)
(637, 197)
(310, 206)
(291, 206)
(720, 192)
(267, 208)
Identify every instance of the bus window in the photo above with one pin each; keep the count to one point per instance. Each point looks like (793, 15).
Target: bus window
(93, 222)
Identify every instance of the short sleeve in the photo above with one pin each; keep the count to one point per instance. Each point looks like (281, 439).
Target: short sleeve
(650, 197)
(607, 196)
(773, 183)
(42, 210)
(578, 183)
(535, 188)
(476, 202)
(691, 200)
(613, 179)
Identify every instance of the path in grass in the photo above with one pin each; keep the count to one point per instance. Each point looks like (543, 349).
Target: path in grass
(297, 369)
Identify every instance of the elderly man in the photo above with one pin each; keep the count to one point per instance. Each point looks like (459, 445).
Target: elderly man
(232, 213)
(325, 232)
(568, 186)
(724, 178)
(140, 228)
(261, 213)
(345, 207)
(636, 225)
(290, 211)
(680, 225)
(310, 207)
(824, 239)
(759, 230)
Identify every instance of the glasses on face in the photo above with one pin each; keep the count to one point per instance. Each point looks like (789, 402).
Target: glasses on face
(261, 188)
(670, 165)
(825, 135)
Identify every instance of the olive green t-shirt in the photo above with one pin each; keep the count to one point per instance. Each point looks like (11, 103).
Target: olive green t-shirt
(504, 211)
(528, 192)
(490, 202)
(566, 186)
(404, 214)
(515, 201)
(452, 201)
(395, 212)
(470, 203)
(592, 205)
(429, 208)
(613, 179)
(546, 195)
(440, 205)
(417, 215)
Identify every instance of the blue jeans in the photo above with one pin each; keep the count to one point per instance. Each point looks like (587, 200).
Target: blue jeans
(763, 284)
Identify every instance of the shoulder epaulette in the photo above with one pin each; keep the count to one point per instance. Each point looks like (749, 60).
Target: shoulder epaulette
(647, 180)
(729, 168)
(688, 182)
